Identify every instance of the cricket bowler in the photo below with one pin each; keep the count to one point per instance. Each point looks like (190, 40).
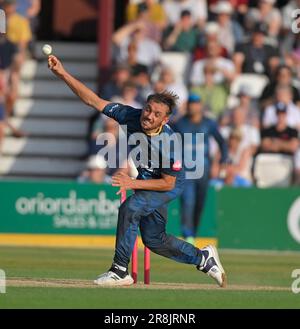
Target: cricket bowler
(153, 189)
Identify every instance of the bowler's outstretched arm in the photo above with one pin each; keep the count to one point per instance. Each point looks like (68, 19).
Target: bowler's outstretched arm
(78, 88)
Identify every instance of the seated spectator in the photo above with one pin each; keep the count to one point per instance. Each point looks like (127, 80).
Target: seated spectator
(255, 56)
(153, 31)
(231, 33)
(284, 96)
(167, 81)
(147, 51)
(211, 32)
(132, 57)
(267, 14)
(280, 138)
(240, 8)
(100, 127)
(107, 142)
(121, 75)
(198, 8)
(128, 96)
(250, 135)
(156, 12)
(214, 96)
(140, 76)
(293, 61)
(224, 68)
(95, 171)
(238, 170)
(283, 76)
(183, 37)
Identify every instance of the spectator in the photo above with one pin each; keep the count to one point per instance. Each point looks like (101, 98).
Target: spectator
(153, 31)
(100, 127)
(18, 33)
(183, 37)
(30, 9)
(240, 8)
(224, 68)
(174, 8)
(293, 61)
(284, 77)
(156, 12)
(255, 56)
(249, 106)
(210, 33)
(280, 138)
(238, 170)
(128, 96)
(283, 95)
(141, 77)
(115, 85)
(214, 96)
(95, 171)
(250, 136)
(106, 139)
(8, 68)
(147, 51)
(267, 14)
(193, 197)
(18, 28)
(168, 82)
(231, 33)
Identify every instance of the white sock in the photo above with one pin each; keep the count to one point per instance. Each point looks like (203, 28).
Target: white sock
(124, 269)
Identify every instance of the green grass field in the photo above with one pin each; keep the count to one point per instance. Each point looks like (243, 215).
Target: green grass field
(61, 278)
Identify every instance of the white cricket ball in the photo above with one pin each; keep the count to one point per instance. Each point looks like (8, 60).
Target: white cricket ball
(47, 50)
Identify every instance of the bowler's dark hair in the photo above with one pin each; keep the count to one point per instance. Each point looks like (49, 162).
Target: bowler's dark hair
(166, 97)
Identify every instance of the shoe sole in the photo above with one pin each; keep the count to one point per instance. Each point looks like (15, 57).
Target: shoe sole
(216, 256)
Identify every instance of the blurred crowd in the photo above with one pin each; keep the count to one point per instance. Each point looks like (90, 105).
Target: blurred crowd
(15, 45)
(235, 62)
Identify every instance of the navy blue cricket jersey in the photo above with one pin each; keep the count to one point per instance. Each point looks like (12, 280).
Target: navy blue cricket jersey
(158, 154)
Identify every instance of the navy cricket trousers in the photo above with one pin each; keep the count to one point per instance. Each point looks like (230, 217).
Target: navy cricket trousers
(192, 203)
(147, 210)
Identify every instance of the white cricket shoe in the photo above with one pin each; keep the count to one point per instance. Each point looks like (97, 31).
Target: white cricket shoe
(114, 277)
(212, 266)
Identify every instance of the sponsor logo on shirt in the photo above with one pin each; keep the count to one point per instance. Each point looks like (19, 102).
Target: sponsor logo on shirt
(177, 166)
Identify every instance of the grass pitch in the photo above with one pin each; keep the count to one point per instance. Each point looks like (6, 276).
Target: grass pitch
(62, 278)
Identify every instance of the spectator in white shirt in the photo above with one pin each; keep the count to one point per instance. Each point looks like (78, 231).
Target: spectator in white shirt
(148, 51)
(284, 95)
(224, 68)
(250, 135)
(230, 32)
(265, 13)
